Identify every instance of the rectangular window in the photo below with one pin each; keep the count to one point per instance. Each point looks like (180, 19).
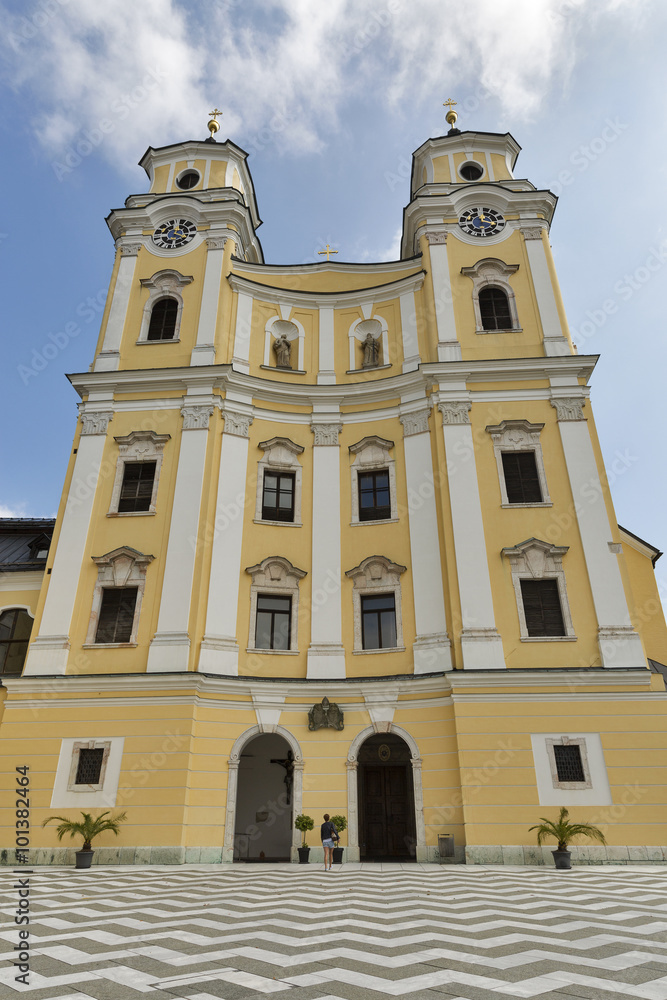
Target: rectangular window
(521, 478)
(569, 765)
(274, 622)
(136, 491)
(374, 499)
(89, 768)
(278, 496)
(116, 614)
(541, 605)
(378, 622)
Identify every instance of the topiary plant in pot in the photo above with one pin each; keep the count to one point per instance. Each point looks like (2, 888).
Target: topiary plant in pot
(88, 828)
(341, 824)
(563, 831)
(304, 823)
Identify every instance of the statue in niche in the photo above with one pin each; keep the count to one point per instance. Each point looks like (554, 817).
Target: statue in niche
(325, 716)
(283, 350)
(371, 352)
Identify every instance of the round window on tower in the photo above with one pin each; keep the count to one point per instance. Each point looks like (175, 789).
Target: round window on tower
(188, 179)
(471, 170)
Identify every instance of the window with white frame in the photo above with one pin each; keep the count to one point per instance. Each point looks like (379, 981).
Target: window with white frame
(279, 481)
(89, 764)
(121, 581)
(570, 769)
(138, 467)
(373, 481)
(540, 591)
(163, 310)
(376, 599)
(523, 481)
(274, 606)
(492, 296)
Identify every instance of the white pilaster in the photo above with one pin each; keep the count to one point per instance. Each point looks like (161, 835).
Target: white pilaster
(48, 651)
(620, 645)
(220, 649)
(241, 353)
(480, 642)
(327, 373)
(203, 353)
(109, 357)
(170, 647)
(411, 358)
(326, 656)
(449, 348)
(432, 648)
(555, 344)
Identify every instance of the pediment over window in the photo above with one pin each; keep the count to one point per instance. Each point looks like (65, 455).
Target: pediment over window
(371, 450)
(275, 571)
(281, 452)
(376, 571)
(122, 566)
(536, 558)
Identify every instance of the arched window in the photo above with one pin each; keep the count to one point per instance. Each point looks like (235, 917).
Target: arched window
(494, 308)
(163, 320)
(15, 629)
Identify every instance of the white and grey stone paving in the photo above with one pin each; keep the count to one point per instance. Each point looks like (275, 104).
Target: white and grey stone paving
(360, 932)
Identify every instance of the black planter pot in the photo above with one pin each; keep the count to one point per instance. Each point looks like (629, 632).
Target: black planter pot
(84, 859)
(338, 855)
(303, 855)
(562, 859)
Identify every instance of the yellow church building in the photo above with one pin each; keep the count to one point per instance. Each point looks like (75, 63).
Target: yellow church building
(335, 537)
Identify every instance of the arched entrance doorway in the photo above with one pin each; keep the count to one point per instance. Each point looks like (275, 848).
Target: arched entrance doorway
(386, 800)
(264, 800)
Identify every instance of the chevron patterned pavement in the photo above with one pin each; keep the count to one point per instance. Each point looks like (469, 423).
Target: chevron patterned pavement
(422, 932)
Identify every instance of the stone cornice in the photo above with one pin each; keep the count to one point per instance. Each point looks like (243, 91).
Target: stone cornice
(339, 267)
(107, 384)
(332, 300)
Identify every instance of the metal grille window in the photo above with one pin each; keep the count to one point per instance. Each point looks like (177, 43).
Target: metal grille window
(374, 498)
(90, 766)
(378, 622)
(278, 496)
(569, 765)
(116, 614)
(15, 629)
(521, 478)
(494, 309)
(274, 622)
(136, 491)
(542, 608)
(163, 320)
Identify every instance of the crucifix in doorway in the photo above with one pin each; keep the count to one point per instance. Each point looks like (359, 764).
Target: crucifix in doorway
(288, 764)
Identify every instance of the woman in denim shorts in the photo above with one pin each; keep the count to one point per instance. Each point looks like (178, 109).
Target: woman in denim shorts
(329, 836)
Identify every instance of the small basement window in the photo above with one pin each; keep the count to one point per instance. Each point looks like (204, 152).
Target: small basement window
(569, 765)
(89, 768)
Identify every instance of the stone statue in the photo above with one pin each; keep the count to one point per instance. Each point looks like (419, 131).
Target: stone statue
(325, 716)
(283, 349)
(371, 352)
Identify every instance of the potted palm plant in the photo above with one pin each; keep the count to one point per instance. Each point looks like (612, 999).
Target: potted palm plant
(88, 828)
(304, 823)
(563, 831)
(340, 823)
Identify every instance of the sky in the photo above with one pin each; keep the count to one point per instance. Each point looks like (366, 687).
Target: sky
(330, 100)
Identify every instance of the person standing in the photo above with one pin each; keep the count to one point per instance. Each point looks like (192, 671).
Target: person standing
(329, 837)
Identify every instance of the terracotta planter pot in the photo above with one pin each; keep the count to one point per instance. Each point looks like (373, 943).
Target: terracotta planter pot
(303, 855)
(562, 859)
(84, 859)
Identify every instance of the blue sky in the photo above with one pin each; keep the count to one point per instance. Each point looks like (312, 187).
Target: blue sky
(331, 100)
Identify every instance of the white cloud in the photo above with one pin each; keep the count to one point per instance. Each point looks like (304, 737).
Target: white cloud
(151, 70)
(19, 511)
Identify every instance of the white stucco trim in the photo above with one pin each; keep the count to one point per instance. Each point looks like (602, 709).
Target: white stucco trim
(203, 352)
(411, 356)
(276, 576)
(374, 576)
(109, 357)
(369, 455)
(122, 567)
(242, 331)
(595, 791)
(138, 446)
(85, 797)
(449, 348)
(489, 272)
(555, 342)
(518, 435)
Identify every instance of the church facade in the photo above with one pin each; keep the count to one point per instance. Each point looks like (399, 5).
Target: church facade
(338, 538)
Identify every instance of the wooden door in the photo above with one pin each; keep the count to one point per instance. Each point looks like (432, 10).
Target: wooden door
(386, 827)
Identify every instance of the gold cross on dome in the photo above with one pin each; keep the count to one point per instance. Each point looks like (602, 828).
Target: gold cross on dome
(327, 251)
(214, 114)
(449, 103)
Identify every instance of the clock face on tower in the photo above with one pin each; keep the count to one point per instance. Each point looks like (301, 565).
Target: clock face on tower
(481, 222)
(174, 234)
